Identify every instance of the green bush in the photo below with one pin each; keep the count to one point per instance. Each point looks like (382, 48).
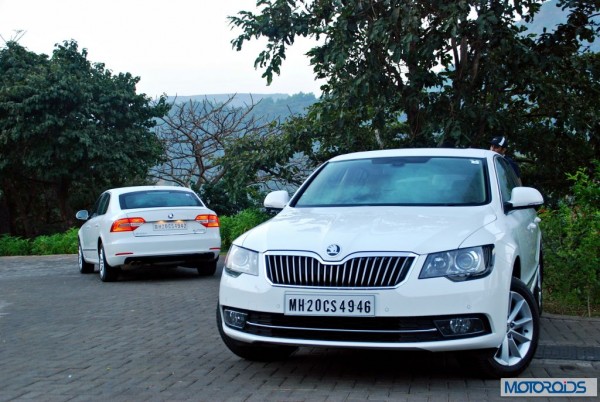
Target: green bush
(60, 243)
(234, 226)
(572, 248)
(14, 246)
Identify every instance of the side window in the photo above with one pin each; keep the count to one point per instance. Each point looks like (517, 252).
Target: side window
(507, 180)
(104, 204)
(94, 210)
(101, 205)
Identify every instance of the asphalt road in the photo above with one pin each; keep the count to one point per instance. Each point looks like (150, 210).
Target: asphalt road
(151, 336)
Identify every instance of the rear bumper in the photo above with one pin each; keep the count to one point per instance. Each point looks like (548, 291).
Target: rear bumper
(178, 259)
(175, 250)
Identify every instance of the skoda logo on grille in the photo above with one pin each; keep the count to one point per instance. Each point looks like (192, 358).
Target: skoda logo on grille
(170, 216)
(333, 250)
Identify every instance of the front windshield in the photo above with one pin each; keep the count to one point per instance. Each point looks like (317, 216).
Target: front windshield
(411, 181)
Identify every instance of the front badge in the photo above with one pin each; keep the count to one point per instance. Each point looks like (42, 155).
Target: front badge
(333, 250)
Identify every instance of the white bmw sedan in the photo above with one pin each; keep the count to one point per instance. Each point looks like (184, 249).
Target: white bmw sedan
(430, 249)
(132, 227)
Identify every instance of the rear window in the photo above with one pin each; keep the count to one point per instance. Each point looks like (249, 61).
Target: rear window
(159, 199)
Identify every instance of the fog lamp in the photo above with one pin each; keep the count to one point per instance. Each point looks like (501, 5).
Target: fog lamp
(460, 326)
(234, 318)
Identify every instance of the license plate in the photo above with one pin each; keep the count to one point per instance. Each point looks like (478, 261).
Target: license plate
(170, 226)
(330, 305)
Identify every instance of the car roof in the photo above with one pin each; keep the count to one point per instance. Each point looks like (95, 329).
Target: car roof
(450, 152)
(123, 190)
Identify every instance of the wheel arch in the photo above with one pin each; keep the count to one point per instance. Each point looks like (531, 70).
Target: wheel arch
(99, 243)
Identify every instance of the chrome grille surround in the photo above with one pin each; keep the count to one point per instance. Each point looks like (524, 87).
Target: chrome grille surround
(361, 270)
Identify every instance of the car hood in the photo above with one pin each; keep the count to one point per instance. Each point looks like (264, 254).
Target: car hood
(419, 230)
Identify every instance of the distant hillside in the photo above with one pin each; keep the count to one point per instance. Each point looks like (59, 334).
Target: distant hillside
(267, 106)
(240, 100)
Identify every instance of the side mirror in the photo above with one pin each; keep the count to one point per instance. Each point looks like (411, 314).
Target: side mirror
(82, 215)
(277, 199)
(523, 198)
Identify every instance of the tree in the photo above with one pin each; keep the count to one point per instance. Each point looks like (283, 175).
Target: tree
(558, 121)
(379, 57)
(422, 72)
(68, 129)
(198, 137)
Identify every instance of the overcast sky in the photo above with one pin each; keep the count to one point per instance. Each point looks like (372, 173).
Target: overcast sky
(177, 47)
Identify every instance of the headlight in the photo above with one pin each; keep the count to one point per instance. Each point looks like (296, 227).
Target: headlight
(459, 265)
(241, 261)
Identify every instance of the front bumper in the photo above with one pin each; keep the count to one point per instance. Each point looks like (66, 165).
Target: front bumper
(407, 316)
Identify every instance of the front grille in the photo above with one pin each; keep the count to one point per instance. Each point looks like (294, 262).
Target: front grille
(357, 272)
(349, 329)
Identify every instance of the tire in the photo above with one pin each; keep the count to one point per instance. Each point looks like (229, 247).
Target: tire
(107, 272)
(254, 352)
(520, 342)
(84, 267)
(207, 268)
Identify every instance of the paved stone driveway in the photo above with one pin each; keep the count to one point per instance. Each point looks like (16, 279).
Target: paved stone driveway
(151, 336)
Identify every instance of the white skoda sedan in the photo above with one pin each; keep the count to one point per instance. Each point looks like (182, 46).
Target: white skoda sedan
(133, 227)
(431, 249)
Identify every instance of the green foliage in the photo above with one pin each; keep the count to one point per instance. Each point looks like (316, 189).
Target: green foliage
(380, 58)
(234, 226)
(572, 246)
(422, 73)
(226, 202)
(328, 130)
(559, 126)
(68, 129)
(261, 161)
(11, 245)
(59, 243)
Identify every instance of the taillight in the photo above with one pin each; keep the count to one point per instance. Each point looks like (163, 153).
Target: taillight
(209, 221)
(127, 224)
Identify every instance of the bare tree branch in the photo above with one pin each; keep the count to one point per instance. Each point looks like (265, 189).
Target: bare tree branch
(195, 136)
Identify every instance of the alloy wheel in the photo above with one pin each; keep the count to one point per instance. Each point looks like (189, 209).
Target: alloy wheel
(519, 332)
